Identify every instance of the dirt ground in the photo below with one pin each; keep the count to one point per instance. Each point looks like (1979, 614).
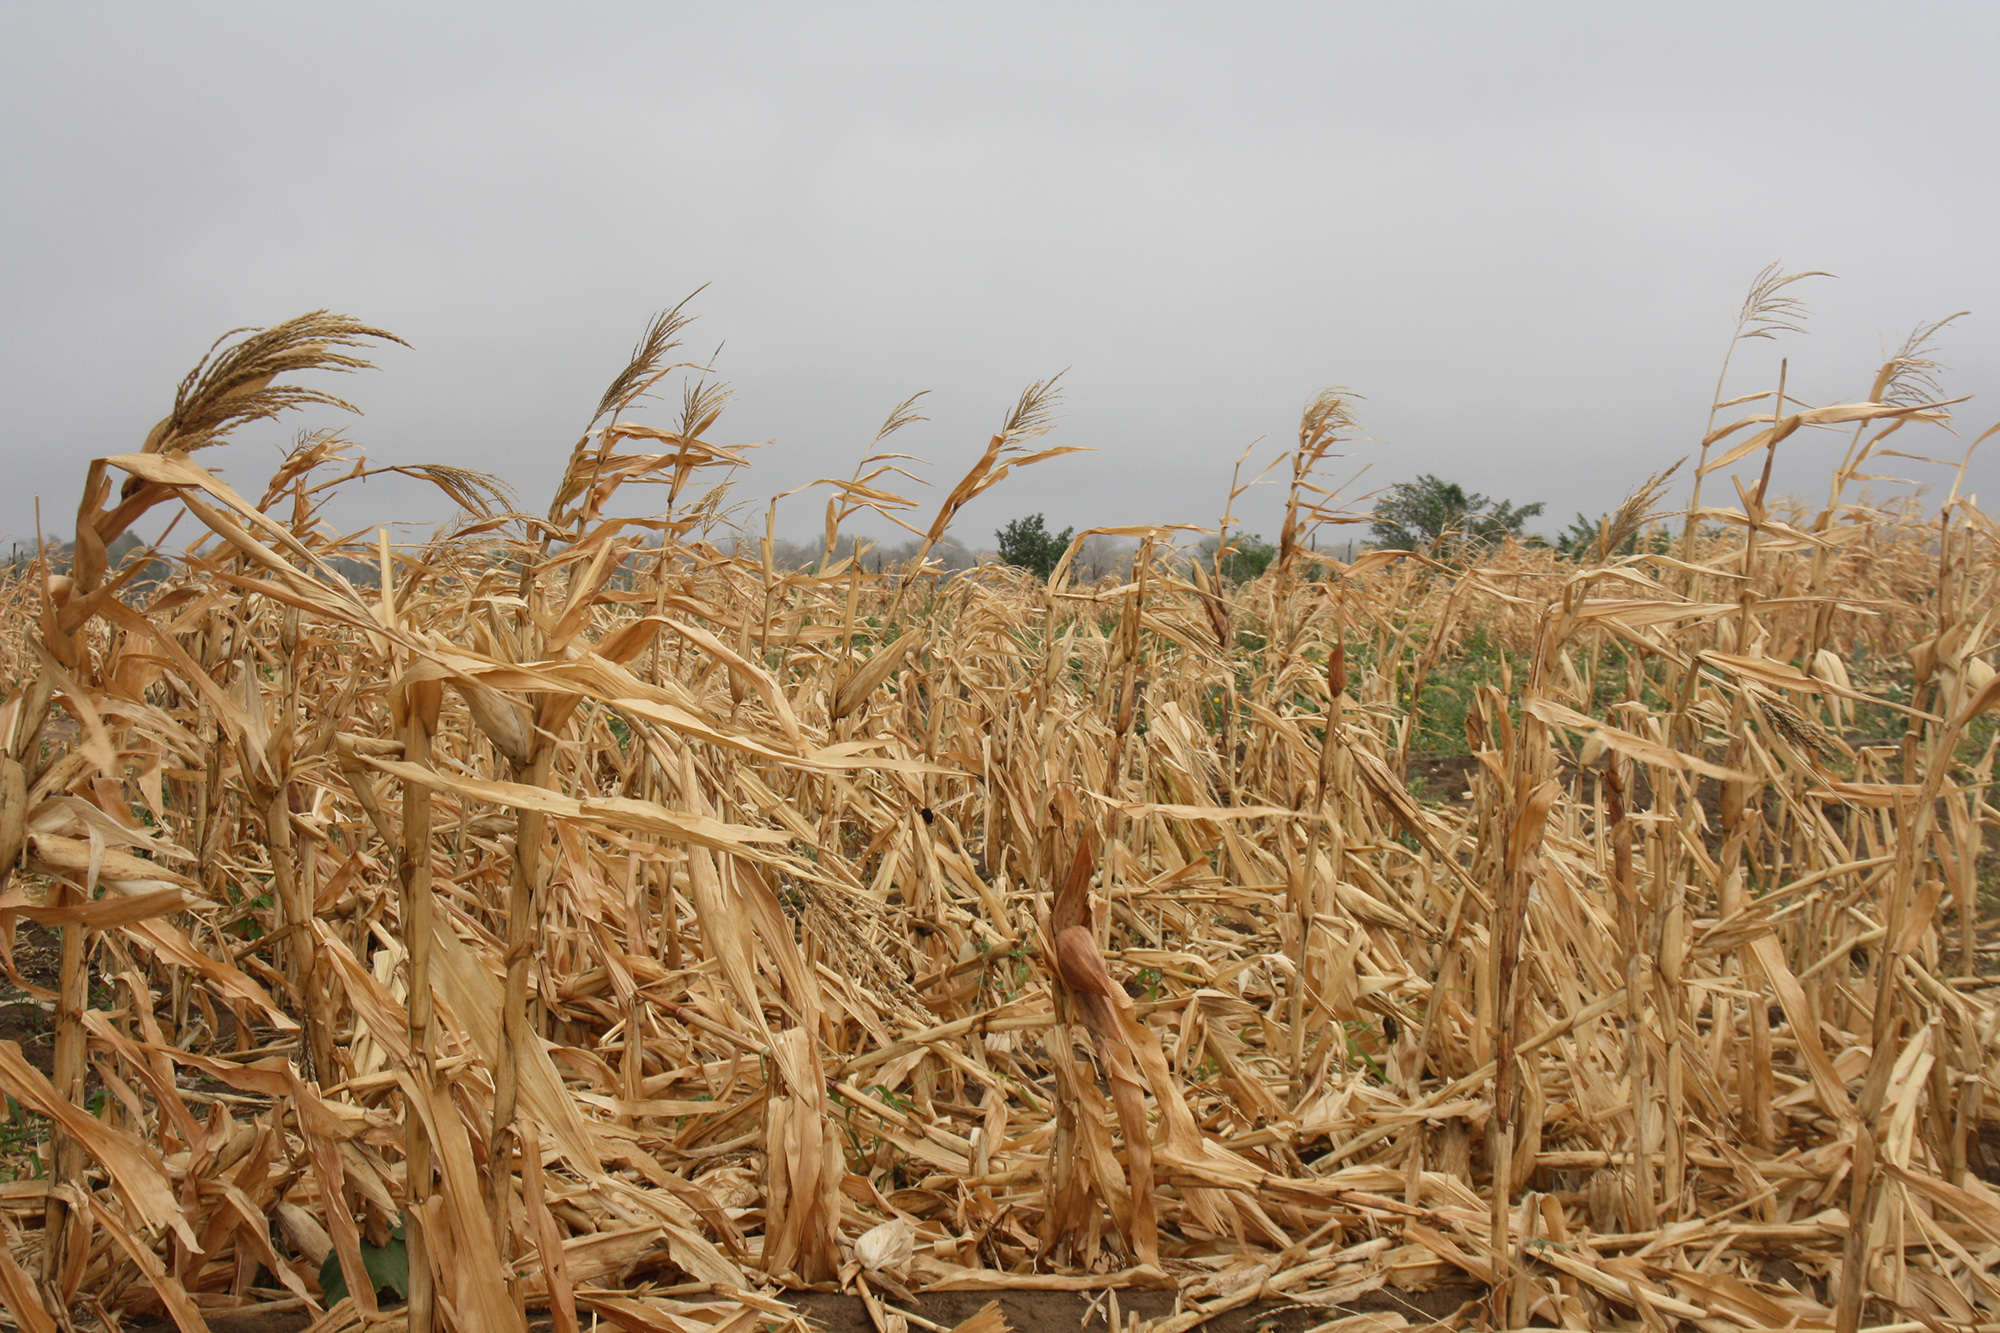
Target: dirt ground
(1063, 1312)
(38, 958)
(1025, 1311)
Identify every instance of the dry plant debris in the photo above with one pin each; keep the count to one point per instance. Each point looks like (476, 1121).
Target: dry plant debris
(585, 919)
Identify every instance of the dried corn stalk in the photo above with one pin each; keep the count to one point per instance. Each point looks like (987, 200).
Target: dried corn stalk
(579, 911)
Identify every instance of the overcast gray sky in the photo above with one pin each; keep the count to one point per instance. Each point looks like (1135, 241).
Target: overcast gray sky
(1520, 230)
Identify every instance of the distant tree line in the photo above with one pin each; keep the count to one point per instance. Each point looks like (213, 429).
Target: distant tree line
(1430, 514)
(20, 555)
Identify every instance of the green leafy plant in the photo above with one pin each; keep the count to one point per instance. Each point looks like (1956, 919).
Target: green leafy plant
(21, 1139)
(1356, 1052)
(388, 1267)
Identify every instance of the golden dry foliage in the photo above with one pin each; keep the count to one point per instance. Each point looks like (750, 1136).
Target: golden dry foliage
(617, 927)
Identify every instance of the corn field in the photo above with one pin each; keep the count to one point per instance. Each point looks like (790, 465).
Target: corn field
(612, 926)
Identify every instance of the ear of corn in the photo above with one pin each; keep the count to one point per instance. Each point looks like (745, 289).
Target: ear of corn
(598, 918)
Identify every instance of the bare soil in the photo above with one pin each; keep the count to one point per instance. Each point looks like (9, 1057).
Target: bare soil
(1025, 1311)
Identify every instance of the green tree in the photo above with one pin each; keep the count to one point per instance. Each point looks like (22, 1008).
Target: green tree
(1249, 556)
(1027, 543)
(1431, 513)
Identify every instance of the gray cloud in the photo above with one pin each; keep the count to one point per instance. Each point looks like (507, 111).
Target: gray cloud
(1520, 231)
